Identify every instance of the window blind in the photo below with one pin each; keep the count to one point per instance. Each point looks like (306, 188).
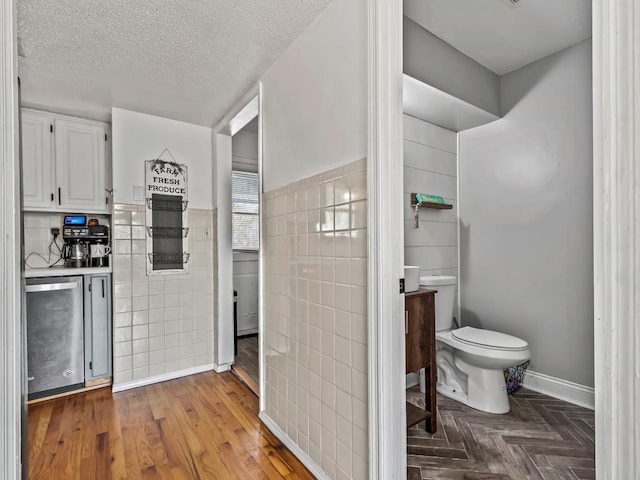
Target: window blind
(245, 209)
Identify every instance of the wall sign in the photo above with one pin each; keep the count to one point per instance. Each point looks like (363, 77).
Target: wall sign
(166, 195)
(166, 178)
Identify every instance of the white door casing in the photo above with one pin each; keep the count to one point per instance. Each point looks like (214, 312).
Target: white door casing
(245, 110)
(10, 306)
(616, 210)
(387, 426)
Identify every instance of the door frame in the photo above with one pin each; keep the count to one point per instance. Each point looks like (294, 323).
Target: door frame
(616, 209)
(385, 303)
(12, 396)
(616, 213)
(241, 114)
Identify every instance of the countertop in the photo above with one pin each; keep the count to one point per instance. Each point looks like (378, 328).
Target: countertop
(62, 271)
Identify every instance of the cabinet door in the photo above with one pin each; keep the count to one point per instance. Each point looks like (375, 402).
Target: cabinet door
(37, 166)
(97, 326)
(80, 166)
(417, 332)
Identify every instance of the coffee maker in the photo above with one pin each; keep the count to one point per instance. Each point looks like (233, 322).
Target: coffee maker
(85, 245)
(75, 233)
(99, 248)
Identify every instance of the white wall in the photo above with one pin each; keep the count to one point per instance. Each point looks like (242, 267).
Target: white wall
(163, 324)
(138, 137)
(314, 114)
(315, 98)
(430, 166)
(436, 63)
(526, 215)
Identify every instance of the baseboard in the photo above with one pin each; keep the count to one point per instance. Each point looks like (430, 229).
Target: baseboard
(315, 470)
(225, 367)
(161, 378)
(559, 388)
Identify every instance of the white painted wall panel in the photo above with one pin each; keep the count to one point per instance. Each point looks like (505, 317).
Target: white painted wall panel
(315, 98)
(424, 181)
(416, 131)
(526, 215)
(429, 158)
(138, 137)
(430, 166)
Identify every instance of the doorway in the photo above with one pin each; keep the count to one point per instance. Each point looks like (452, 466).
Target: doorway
(245, 231)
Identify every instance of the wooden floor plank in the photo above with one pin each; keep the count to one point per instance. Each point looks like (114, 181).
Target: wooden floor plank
(199, 427)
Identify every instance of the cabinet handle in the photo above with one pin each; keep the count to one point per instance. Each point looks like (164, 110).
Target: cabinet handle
(103, 288)
(406, 322)
(53, 197)
(59, 196)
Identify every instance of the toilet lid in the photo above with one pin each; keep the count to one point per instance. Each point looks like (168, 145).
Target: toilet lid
(489, 338)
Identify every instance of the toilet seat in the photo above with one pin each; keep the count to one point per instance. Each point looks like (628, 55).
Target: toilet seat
(488, 339)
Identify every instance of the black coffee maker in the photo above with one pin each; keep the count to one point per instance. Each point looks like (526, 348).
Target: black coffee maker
(99, 248)
(75, 250)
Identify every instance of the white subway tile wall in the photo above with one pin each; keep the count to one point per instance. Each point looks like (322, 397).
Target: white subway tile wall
(162, 323)
(431, 166)
(37, 237)
(315, 325)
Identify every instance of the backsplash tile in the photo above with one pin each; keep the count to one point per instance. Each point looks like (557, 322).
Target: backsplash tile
(37, 237)
(164, 323)
(315, 243)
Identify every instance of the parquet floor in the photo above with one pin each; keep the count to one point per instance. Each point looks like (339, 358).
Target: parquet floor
(200, 427)
(541, 438)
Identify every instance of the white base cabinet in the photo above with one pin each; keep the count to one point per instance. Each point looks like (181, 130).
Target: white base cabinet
(64, 163)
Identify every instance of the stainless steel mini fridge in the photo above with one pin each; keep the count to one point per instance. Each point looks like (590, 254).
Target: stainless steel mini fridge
(55, 342)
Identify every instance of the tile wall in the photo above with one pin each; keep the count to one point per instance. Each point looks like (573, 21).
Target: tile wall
(431, 166)
(37, 237)
(315, 325)
(162, 323)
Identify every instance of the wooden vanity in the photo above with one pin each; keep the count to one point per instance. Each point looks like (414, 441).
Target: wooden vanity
(419, 316)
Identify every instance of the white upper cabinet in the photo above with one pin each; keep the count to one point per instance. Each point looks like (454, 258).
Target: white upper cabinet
(80, 165)
(64, 163)
(37, 185)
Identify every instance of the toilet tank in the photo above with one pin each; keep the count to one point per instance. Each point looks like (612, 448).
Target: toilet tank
(445, 298)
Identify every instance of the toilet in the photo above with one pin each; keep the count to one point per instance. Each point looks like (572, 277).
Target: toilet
(470, 360)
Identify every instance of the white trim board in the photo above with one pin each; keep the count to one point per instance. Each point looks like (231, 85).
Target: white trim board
(12, 401)
(386, 400)
(162, 378)
(306, 460)
(560, 389)
(225, 367)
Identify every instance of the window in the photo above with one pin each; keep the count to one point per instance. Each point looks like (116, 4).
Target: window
(245, 209)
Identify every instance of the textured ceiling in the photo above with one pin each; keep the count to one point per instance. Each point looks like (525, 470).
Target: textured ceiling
(501, 35)
(186, 60)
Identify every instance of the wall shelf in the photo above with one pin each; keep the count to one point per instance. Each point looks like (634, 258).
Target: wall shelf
(168, 232)
(169, 205)
(438, 206)
(173, 258)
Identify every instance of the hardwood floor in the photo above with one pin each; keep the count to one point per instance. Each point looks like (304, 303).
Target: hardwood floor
(200, 427)
(541, 438)
(247, 361)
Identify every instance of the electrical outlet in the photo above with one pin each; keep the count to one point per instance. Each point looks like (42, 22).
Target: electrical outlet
(55, 231)
(207, 233)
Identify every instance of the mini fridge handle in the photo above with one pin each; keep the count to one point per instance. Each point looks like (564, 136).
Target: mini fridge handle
(49, 287)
